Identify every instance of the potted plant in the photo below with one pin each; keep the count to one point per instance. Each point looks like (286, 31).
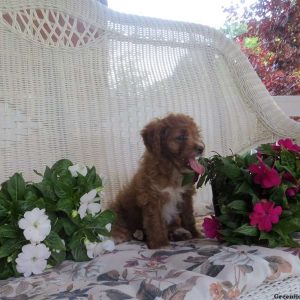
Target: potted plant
(256, 196)
(61, 217)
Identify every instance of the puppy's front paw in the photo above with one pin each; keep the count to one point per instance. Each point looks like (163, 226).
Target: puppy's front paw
(157, 243)
(195, 234)
(120, 234)
(180, 234)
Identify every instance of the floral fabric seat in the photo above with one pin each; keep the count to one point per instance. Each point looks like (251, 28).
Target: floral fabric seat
(197, 269)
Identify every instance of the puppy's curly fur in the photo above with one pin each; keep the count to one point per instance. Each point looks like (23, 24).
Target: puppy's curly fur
(155, 201)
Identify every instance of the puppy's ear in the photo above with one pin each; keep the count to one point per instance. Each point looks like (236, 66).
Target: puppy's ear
(152, 136)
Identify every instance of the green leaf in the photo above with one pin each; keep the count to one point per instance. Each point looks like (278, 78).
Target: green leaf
(244, 188)
(238, 205)
(266, 149)
(79, 252)
(105, 217)
(9, 247)
(69, 226)
(6, 271)
(61, 167)
(230, 169)
(288, 160)
(53, 241)
(298, 165)
(16, 187)
(58, 256)
(9, 231)
(247, 230)
(278, 195)
(266, 235)
(225, 232)
(250, 159)
(287, 226)
(232, 224)
(202, 180)
(47, 174)
(78, 249)
(233, 240)
(3, 213)
(31, 196)
(91, 176)
(90, 234)
(5, 200)
(286, 213)
(32, 200)
(66, 205)
(224, 218)
(188, 179)
(62, 190)
(46, 190)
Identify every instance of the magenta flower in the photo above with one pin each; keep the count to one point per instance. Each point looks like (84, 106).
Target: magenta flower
(264, 175)
(292, 192)
(211, 227)
(286, 144)
(265, 214)
(289, 177)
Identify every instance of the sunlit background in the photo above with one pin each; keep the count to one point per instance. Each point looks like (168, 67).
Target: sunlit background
(270, 43)
(207, 12)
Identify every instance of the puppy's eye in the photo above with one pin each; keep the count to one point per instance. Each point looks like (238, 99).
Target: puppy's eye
(181, 138)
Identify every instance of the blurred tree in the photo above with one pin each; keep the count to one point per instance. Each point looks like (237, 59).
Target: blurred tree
(234, 29)
(271, 41)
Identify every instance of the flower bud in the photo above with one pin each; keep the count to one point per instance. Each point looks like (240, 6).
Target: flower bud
(99, 189)
(74, 213)
(108, 227)
(291, 192)
(86, 241)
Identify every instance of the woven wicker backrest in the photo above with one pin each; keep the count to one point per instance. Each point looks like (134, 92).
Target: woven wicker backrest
(80, 81)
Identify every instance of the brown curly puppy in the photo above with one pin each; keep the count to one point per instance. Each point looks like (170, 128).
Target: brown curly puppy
(155, 201)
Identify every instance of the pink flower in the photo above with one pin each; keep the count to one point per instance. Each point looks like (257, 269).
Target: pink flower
(292, 192)
(265, 214)
(264, 175)
(286, 144)
(289, 177)
(211, 227)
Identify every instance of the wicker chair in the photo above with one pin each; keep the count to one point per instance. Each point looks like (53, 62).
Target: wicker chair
(78, 80)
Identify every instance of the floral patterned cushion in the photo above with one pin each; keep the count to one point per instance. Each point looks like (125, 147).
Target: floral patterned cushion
(196, 269)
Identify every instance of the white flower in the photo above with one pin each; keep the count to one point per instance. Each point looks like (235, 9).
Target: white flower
(32, 259)
(36, 225)
(100, 192)
(88, 203)
(78, 169)
(93, 249)
(102, 237)
(96, 249)
(108, 227)
(103, 179)
(108, 245)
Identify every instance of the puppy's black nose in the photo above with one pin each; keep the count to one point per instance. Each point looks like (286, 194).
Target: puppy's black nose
(199, 149)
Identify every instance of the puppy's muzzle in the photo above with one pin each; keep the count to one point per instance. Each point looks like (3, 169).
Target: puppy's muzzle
(199, 149)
